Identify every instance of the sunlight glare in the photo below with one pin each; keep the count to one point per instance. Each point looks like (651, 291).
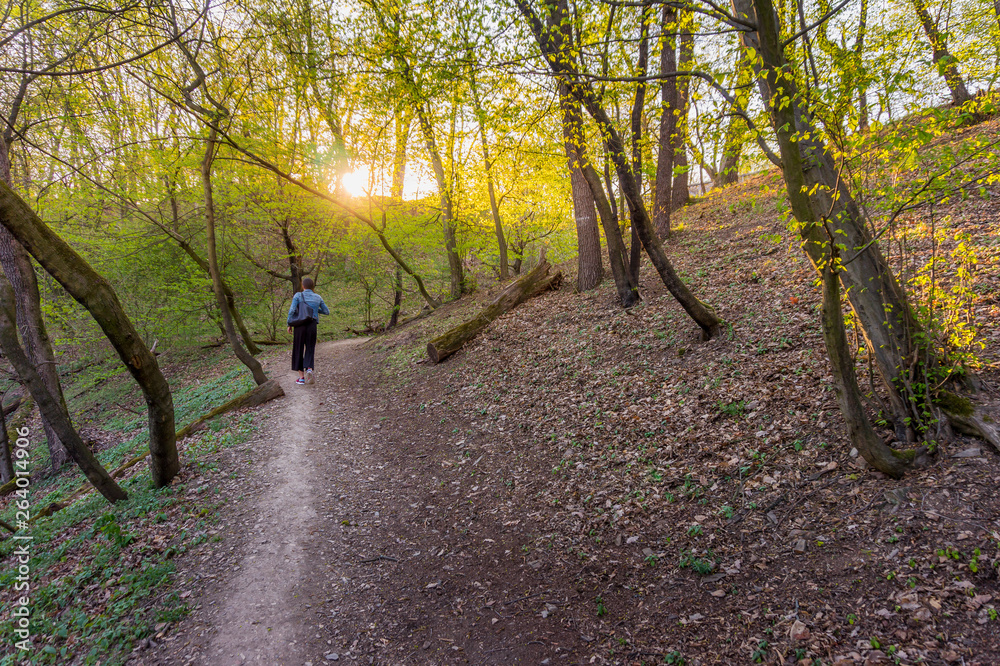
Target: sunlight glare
(358, 183)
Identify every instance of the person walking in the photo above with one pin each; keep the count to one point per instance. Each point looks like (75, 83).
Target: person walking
(304, 335)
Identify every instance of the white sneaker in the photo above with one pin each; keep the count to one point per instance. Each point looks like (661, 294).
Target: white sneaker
(310, 379)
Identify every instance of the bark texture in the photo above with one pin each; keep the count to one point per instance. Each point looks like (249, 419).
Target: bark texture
(54, 411)
(536, 282)
(845, 381)
(17, 267)
(946, 63)
(668, 102)
(680, 195)
(213, 264)
(818, 197)
(6, 459)
(94, 293)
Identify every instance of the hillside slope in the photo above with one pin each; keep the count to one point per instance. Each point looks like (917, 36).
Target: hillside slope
(700, 500)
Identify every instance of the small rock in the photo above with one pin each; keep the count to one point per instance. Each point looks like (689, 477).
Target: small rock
(800, 547)
(799, 631)
(333, 656)
(974, 452)
(854, 453)
(718, 593)
(631, 539)
(586, 639)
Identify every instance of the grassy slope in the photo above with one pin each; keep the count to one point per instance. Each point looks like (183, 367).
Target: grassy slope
(101, 576)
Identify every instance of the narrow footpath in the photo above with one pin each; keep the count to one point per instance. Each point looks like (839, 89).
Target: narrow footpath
(336, 545)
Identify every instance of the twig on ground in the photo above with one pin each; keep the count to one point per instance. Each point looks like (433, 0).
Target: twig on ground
(530, 596)
(376, 559)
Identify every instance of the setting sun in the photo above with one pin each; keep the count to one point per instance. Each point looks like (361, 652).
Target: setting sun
(359, 183)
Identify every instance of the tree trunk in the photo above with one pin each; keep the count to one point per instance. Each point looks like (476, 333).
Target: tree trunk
(48, 404)
(732, 145)
(859, 52)
(635, 118)
(582, 173)
(213, 263)
(397, 299)
(590, 266)
(294, 260)
(447, 207)
(581, 89)
(6, 459)
(680, 194)
(174, 232)
(845, 381)
(403, 120)
(668, 102)
(488, 166)
(818, 197)
(21, 275)
(946, 63)
(576, 152)
(94, 293)
(528, 286)
(230, 296)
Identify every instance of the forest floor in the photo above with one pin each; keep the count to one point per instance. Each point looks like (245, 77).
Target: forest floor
(579, 485)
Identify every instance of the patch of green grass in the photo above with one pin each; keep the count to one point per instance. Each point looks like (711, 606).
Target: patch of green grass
(99, 582)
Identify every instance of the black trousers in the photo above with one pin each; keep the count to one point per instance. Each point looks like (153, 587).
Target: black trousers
(304, 346)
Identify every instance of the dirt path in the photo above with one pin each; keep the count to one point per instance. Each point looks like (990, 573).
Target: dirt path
(258, 621)
(340, 542)
(253, 613)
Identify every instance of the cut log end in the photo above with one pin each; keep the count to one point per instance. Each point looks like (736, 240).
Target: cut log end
(432, 352)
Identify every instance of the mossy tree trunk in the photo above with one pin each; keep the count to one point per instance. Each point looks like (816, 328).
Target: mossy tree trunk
(95, 294)
(819, 198)
(845, 381)
(54, 411)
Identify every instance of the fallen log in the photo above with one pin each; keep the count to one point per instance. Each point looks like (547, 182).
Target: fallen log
(527, 286)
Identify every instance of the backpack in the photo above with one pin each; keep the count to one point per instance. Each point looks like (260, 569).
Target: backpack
(302, 314)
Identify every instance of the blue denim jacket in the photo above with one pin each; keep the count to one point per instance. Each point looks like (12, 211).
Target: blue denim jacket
(313, 300)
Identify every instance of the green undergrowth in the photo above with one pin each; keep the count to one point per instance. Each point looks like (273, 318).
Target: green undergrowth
(101, 575)
(128, 432)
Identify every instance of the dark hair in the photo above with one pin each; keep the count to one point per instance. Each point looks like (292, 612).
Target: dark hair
(307, 283)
